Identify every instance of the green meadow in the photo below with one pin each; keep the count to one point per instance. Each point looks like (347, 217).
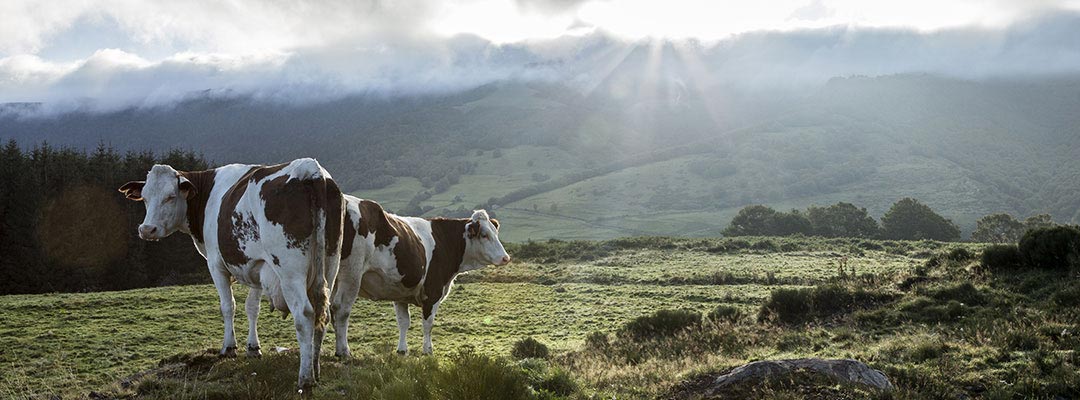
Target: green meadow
(926, 313)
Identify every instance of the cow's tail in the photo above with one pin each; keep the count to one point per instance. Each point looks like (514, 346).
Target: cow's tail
(318, 285)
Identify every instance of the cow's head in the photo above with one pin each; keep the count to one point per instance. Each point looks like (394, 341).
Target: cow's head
(482, 245)
(165, 193)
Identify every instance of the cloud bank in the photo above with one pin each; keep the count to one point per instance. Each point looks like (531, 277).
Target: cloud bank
(106, 55)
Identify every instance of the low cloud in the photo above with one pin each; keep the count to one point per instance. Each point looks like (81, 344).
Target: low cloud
(387, 58)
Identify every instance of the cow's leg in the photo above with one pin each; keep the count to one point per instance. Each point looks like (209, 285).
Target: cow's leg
(251, 306)
(294, 288)
(402, 311)
(429, 322)
(228, 306)
(345, 292)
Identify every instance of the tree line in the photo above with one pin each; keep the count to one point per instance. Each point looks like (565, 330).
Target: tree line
(63, 226)
(907, 219)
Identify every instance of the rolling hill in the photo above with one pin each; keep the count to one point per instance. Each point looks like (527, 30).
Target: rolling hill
(651, 156)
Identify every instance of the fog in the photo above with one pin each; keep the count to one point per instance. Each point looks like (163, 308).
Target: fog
(114, 57)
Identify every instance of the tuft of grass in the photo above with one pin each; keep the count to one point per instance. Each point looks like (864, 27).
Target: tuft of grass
(661, 323)
(529, 348)
(1001, 256)
(726, 313)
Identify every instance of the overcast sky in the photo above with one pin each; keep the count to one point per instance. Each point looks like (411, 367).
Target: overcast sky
(147, 52)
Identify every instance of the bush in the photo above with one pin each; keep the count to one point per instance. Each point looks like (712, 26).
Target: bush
(1001, 256)
(548, 380)
(597, 340)
(786, 305)
(529, 348)
(800, 305)
(1055, 247)
(475, 376)
(662, 323)
(726, 313)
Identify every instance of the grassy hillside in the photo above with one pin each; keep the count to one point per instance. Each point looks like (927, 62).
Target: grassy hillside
(607, 162)
(940, 325)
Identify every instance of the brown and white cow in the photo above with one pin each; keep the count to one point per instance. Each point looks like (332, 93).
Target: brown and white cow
(274, 228)
(407, 260)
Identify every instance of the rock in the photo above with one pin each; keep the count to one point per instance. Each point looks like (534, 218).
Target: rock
(845, 371)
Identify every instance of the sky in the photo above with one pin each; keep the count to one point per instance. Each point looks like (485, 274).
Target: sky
(121, 53)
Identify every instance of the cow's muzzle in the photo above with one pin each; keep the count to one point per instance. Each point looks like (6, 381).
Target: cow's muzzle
(150, 232)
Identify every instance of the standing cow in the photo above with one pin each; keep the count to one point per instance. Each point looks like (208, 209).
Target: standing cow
(274, 228)
(407, 261)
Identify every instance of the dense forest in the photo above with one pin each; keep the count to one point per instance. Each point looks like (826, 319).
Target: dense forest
(63, 226)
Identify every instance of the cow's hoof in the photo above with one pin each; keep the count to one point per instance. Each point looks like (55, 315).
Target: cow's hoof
(305, 385)
(229, 352)
(343, 355)
(253, 352)
(402, 352)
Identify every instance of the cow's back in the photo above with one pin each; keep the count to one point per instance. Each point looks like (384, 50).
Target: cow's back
(387, 254)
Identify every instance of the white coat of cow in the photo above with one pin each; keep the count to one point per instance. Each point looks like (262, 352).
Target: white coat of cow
(407, 260)
(273, 228)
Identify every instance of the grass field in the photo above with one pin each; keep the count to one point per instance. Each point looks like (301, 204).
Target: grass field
(942, 327)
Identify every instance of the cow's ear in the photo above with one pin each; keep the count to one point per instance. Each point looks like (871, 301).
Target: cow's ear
(187, 189)
(472, 229)
(133, 190)
(495, 222)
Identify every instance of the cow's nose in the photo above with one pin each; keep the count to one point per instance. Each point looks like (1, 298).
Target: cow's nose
(505, 260)
(148, 231)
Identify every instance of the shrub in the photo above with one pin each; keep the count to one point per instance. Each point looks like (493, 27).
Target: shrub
(662, 323)
(1001, 256)
(529, 348)
(1055, 247)
(597, 340)
(786, 305)
(959, 254)
(726, 313)
(800, 305)
(765, 245)
(475, 376)
(547, 379)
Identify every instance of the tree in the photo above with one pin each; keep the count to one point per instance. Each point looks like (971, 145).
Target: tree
(759, 220)
(908, 219)
(998, 228)
(750, 221)
(842, 220)
(1039, 221)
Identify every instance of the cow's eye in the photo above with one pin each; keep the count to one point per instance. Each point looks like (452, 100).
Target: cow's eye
(170, 199)
(484, 235)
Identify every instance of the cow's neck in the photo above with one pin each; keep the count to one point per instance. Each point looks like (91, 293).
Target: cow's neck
(449, 252)
(196, 206)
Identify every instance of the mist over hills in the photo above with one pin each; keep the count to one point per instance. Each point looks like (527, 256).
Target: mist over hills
(644, 156)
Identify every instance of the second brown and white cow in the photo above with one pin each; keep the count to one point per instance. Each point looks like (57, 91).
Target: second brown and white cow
(274, 228)
(407, 260)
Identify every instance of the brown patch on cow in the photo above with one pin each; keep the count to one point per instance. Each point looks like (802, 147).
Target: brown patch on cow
(228, 244)
(289, 204)
(408, 251)
(449, 235)
(199, 188)
(348, 234)
(473, 228)
(335, 217)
